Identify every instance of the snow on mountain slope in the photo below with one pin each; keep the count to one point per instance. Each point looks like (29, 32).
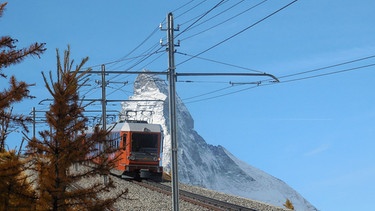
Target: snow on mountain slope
(199, 163)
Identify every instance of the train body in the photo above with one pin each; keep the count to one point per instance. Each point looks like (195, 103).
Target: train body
(138, 150)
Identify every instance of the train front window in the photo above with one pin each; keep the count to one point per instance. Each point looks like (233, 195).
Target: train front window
(146, 143)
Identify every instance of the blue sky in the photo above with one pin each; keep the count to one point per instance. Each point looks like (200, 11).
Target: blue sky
(315, 131)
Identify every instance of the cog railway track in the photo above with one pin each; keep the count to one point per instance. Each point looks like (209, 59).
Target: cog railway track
(203, 201)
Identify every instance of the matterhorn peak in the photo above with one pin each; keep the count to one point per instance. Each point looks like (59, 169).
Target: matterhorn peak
(199, 163)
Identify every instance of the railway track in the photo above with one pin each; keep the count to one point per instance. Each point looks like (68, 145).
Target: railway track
(203, 201)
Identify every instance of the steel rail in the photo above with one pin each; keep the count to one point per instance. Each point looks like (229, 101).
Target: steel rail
(203, 201)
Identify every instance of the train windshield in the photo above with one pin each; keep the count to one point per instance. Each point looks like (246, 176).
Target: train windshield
(146, 143)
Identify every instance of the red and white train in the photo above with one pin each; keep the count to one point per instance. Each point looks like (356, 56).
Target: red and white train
(138, 150)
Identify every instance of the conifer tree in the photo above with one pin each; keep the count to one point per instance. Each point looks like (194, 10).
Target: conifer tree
(15, 188)
(17, 192)
(67, 145)
(18, 90)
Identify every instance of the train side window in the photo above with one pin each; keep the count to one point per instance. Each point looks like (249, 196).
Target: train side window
(124, 141)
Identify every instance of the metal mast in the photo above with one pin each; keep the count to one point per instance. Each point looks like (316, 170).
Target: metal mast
(104, 101)
(172, 110)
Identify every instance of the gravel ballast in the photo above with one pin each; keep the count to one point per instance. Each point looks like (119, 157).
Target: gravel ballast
(140, 198)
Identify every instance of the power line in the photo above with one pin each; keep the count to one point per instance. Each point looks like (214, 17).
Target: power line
(150, 35)
(220, 13)
(206, 82)
(221, 23)
(330, 66)
(152, 61)
(219, 62)
(208, 93)
(139, 45)
(125, 58)
(210, 10)
(182, 6)
(145, 58)
(222, 95)
(243, 30)
(287, 81)
(195, 6)
(142, 59)
(330, 73)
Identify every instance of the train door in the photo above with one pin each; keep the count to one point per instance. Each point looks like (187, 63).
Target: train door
(125, 149)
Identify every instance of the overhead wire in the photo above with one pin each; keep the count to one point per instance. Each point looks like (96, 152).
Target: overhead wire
(184, 5)
(147, 53)
(206, 82)
(327, 67)
(194, 18)
(291, 80)
(330, 73)
(142, 57)
(150, 50)
(140, 44)
(196, 21)
(190, 9)
(218, 14)
(147, 38)
(202, 16)
(240, 32)
(222, 22)
(220, 62)
(117, 89)
(152, 61)
(222, 95)
(208, 93)
(215, 6)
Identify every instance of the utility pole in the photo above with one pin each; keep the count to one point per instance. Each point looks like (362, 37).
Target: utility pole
(104, 113)
(104, 101)
(172, 78)
(172, 110)
(33, 122)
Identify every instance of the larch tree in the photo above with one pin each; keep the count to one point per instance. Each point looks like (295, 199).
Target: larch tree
(18, 90)
(15, 188)
(67, 146)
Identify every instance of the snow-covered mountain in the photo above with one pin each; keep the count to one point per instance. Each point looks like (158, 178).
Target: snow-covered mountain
(199, 163)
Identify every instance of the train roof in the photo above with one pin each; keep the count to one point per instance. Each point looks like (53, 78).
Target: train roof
(134, 126)
(137, 126)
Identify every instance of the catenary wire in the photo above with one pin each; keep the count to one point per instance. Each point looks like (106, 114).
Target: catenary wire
(222, 95)
(330, 66)
(196, 21)
(190, 9)
(330, 73)
(221, 23)
(287, 81)
(139, 45)
(194, 18)
(183, 6)
(125, 58)
(219, 62)
(152, 61)
(240, 32)
(208, 93)
(220, 13)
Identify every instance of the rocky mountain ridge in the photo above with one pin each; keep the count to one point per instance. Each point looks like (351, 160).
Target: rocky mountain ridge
(199, 163)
